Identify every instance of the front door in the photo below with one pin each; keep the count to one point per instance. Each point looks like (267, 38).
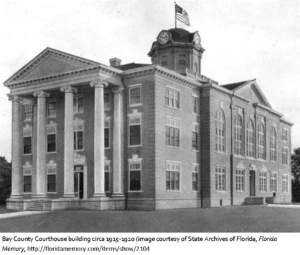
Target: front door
(78, 182)
(252, 183)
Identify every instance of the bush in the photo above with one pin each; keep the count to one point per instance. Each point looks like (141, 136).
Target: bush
(5, 180)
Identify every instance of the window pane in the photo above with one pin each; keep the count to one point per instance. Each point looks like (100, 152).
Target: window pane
(135, 135)
(135, 180)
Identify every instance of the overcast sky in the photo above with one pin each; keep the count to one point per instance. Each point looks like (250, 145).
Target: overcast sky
(243, 40)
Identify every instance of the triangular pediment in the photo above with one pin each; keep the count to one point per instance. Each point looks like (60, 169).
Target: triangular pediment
(252, 92)
(49, 63)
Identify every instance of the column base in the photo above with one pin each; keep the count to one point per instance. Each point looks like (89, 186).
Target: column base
(117, 195)
(15, 196)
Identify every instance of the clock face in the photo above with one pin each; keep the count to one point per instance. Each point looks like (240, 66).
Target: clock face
(196, 38)
(163, 37)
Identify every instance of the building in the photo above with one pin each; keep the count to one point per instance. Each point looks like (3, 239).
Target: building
(143, 136)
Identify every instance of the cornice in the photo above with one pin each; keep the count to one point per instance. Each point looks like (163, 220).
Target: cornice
(286, 121)
(263, 107)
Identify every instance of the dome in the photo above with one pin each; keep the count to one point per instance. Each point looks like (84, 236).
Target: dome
(181, 35)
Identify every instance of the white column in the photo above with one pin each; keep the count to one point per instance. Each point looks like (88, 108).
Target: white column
(68, 143)
(99, 152)
(41, 175)
(16, 164)
(117, 157)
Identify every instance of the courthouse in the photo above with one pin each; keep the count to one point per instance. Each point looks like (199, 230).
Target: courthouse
(143, 136)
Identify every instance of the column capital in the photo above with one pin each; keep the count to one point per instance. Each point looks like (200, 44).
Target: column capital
(40, 94)
(99, 83)
(117, 89)
(68, 89)
(14, 98)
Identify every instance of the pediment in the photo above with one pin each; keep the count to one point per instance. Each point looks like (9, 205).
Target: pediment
(252, 92)
(49, 63)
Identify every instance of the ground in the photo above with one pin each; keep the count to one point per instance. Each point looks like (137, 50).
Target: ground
(221, 219)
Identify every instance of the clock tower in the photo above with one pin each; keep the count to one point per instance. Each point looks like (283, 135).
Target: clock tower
(179, 50)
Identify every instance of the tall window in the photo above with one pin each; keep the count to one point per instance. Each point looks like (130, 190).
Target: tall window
(78, 105)
(135, 176)
(27, 178)
(106, 134)
(220, 131)
(195, 105)
(51, 178)
(250, 139)
(27, 139)
(238, 135)
(135, 131)
(261, 142)
(273, 182)
(195, 177)
(135, 95)
(172, 98)
(27, 111)
(284, 135)
(263, 181)
(195, 137)
(27, 145)
(273, 151)
(78, 136)
(285, 183)
(51, 109)
(172, 176)
(239, 180)
(220, 178)
(107, 177)
(51, 138)
(172, 132)
(285, 153)
(106, 101)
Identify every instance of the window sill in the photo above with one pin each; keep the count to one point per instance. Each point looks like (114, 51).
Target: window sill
(135, 191)
(174, 191)
(51, 117)
(196, 114)
(132, 146)
(29, 154)
(51, 152)
(168, 146)
(174, 108)
(108, 148)
(52, 192)
(135, 105)
(79, 150)
(221, 152)
(195, 150)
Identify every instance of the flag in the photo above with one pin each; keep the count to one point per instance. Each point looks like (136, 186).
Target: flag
(182, 15)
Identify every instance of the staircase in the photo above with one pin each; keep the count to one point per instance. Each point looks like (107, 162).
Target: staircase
(37, 206)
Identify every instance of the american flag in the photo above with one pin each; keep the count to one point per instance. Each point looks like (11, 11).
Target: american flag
(182, 15)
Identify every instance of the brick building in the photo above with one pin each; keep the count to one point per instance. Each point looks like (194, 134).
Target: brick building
(142, 136)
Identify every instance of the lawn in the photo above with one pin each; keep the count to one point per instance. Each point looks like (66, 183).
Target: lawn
(220, 219)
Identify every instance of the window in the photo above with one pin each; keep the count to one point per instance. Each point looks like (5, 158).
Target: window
(106, 134)
(172, 98)
(285, 183)
(51, 177)
(78, 105)
(164, 63)
(195, 105)
(106, 177)
(285, 156)
(172, 132)
(27, 110)
(135, 95)
(238, 135)
(196, 67)
(195, 177)
(220, 178)
(27, 145)
(263, 181)
(106, 101)
(284, 135)
(51, 141)
(51, 109)
(78, 135)
(135, 131)
(172, 176)
(239, 180)
(195, 135)
(182, 63)
(220, 131)
(273, 182)
(261, 141)
(250, 139)
(273, 151)
(27, 183)
(135, 177)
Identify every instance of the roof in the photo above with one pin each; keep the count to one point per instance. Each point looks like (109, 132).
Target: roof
(234, 86)
(181, 35)
(131, 66)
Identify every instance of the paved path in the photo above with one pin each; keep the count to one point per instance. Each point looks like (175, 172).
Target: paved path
(20, 214)
(286, 206)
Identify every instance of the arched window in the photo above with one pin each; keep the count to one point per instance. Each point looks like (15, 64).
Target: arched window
(273, 144)
(250, 139)
(238, 135)
(261, 141)
(220, 131)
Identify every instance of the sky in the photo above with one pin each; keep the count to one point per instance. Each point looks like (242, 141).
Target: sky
(244, 39)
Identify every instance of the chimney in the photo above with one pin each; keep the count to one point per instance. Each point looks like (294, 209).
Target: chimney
(114, 62)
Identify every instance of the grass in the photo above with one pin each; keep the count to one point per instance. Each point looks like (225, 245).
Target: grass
(220, 219)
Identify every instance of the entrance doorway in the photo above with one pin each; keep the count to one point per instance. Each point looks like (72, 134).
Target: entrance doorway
(78, 181)
(252, 183)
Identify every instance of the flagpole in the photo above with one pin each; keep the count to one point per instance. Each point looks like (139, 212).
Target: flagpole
(175, 16)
